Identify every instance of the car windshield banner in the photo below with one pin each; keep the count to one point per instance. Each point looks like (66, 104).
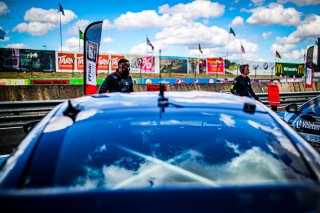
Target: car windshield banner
(92, 37)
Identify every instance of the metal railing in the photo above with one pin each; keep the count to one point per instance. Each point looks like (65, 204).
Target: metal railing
(19, 113)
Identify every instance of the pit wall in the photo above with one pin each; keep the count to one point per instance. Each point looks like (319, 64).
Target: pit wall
(57, 92)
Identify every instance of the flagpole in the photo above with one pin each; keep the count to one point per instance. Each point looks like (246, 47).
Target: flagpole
(228, 46)
(79, 39)
(60, 37)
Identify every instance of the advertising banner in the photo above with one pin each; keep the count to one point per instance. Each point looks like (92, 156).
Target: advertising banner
(202, 65)
(289, 69)
(114, 61)
(66, 62)
(193, 65)
(103, 63)
(79, 60)
(37, 60)
(310, 67)
(9, 59)
(260, 68)
(92, 37)
(148, 64)
(215, 65)
(135, 63)
(173, 64)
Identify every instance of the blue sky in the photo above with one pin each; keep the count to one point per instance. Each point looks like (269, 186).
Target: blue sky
(175, 27)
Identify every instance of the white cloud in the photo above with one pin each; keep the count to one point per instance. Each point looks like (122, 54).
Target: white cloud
(177, 15)
(274, 14)
(309, 28)
(3, 9)
(34, 28)
(265, 35)
(213, 41)
(300, 2)
(107, 40)
(295, 55)
(72, 45)
(144, 19)
(194, 10)
(48, 16)
(40, 21)
(80, 24)
(106, 24)
(17, 45)
(237, 21)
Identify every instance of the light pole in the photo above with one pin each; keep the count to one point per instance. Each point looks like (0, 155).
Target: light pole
(44, 46)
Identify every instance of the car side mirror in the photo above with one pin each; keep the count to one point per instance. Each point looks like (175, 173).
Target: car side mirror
(292, 108)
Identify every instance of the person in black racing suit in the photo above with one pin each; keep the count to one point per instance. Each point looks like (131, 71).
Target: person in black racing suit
(241, 84)
(118, 81)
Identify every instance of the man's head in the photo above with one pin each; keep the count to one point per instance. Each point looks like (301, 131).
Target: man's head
(123, 67)
(244, 69)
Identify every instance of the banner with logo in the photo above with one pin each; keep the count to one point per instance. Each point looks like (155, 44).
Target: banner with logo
(148, 64)
(215, 65)
(66, 62)
(135, 63)
(79, 61)
(103, 63)
(309, 67)
(260, 68)
(289, 69)
(114, 61)
(173, 64)
(92, 37)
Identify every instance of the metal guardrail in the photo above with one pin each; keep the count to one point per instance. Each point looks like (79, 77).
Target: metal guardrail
(19, 113)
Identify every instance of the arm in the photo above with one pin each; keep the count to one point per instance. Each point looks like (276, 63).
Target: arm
(233, 87)
(253, 94)
(105, 85)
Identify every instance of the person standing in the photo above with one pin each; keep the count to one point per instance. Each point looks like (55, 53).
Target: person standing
(118, 81)
(241, 84)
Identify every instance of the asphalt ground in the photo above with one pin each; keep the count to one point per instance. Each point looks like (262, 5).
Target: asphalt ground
(10, 139)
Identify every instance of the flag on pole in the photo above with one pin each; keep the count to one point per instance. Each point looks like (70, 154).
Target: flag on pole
(2, 34)
(149, 43)
(200, 49)
(278, 55)
(81, 35)
(242, 49)
(61, 9)
(232, 32)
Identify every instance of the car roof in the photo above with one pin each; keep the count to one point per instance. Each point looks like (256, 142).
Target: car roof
(150, 99)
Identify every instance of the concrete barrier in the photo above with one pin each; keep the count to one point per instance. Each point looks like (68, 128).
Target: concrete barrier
(56, 92)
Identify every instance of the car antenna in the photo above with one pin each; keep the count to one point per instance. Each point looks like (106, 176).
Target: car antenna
(162, 101)
(71, 111)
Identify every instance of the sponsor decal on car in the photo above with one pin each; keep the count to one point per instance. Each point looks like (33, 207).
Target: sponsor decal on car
(310, 137)
(307, 125)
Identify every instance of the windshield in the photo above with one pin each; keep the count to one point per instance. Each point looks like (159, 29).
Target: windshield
(194, 149)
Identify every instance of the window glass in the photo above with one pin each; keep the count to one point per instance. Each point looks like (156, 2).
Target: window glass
(312, 107)
(194, 149)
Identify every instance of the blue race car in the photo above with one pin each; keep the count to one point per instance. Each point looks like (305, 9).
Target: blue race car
(305, 120)
(173, 152)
